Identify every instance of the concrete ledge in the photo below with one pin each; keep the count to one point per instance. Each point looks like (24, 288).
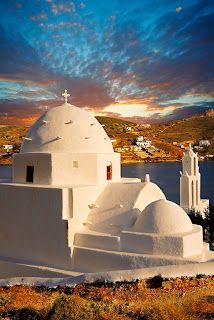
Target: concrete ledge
(96, 240)
(172, 271)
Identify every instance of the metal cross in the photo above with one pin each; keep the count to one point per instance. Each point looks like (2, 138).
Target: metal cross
(66, 95)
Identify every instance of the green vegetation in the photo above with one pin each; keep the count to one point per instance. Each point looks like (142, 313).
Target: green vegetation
(152, 299)
(206, 222)
(107, 121)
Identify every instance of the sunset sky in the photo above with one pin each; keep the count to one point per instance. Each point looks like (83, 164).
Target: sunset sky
(144, 60)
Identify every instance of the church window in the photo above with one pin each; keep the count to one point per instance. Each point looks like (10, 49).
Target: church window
(29, 173)
(193, 195)
(109, 172)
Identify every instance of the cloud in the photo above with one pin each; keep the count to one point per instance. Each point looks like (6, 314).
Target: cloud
(41, 16)
(85, 92)
(23, 112)
(19, 61)
(182, 62)
(62, 25)
(62, 8)
(82, 5)
(178, 9)
(186, 112)
(105, 54)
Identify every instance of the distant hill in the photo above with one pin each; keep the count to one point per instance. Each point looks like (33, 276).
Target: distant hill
(189, 130)
(115, 127)
(163, 136)
(12, 135)
(114, 121)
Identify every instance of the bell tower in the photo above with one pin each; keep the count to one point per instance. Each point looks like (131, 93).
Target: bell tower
(190, 183)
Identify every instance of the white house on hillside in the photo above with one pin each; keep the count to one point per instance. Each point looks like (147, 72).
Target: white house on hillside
(204, 143)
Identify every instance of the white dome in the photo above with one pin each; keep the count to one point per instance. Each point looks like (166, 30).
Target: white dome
(67, 129)
(163, 216)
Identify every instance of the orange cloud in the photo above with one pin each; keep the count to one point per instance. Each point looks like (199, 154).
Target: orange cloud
(16, 121)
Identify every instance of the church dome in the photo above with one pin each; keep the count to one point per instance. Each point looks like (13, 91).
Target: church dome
(163, 216)
(67, 129)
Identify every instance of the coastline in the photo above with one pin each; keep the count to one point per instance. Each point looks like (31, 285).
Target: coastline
(149, 161)
(8, 161)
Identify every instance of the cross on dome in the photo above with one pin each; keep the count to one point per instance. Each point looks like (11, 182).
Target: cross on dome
(66, 95)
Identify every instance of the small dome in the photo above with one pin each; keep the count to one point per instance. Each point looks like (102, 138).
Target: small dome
(163, 216)
(67, 129)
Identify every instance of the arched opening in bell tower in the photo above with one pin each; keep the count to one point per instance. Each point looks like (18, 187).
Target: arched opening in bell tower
(193, 194)
(195, 166)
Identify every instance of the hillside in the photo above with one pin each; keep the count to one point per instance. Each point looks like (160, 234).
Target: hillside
(168, 140)
(11, 135)
(152, 299)
(114, 122)
(189, 130)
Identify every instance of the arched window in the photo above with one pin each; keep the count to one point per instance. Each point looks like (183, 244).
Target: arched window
(195, 166)
(193, 195)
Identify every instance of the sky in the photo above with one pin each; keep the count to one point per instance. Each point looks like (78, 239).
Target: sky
(149, 61)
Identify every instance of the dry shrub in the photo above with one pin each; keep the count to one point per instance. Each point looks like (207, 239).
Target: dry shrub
(165, 309)
(73, 307)
(5, 298)
(23, 314)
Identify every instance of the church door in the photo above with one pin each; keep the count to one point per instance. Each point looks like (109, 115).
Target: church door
(109, 172)
(29, 174)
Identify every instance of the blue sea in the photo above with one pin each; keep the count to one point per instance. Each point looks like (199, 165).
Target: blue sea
(166, 176)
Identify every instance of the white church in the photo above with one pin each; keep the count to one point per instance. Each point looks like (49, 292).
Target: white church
(67, 209)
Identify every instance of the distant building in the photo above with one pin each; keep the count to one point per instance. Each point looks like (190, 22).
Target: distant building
(8, 147)
(122, 149)
(146, 125)
(143, 143)
(127, 129)
(140, 138)
(135, 148)
(181, 146)
(204, 143)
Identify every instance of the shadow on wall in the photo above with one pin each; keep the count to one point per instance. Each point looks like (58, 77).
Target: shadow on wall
(112, 220)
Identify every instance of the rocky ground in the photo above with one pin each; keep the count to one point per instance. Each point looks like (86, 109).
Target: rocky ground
(152, 299)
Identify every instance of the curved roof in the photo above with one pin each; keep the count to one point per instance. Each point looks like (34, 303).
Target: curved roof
(119, 205)
(67, 129)
(163, 216)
